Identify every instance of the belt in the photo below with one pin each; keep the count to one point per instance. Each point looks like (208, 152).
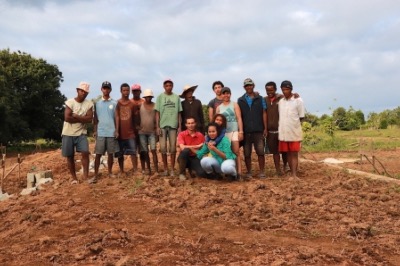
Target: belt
(273, 132)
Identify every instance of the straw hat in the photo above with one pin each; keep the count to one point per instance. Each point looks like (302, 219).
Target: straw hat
(186, 89)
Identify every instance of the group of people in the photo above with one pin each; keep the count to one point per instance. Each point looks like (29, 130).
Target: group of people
(133, 126)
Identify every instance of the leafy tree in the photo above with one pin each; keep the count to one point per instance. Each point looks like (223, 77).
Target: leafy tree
(312, 119)
(348, 119)
(339, 117)
(329, 126)
(205, 112)
(383, 124)
(31, 105)
(360, 117)
(373, 120)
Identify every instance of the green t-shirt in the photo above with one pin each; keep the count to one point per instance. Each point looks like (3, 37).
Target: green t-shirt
(169, 107)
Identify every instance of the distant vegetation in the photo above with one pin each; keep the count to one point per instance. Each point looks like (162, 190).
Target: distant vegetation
(347, 130)
(31, 105)
(31, 110)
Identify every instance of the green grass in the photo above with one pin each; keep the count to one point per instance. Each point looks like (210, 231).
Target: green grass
(32, 146)
(381, 139)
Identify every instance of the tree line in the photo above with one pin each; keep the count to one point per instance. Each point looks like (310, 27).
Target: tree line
(350, 119)
(32, 106)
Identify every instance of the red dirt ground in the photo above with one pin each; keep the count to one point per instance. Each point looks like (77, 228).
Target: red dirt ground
(330, 217)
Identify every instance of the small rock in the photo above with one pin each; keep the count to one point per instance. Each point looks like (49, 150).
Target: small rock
(79, 256)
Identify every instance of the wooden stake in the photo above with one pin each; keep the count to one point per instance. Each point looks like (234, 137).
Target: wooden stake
(3, 165)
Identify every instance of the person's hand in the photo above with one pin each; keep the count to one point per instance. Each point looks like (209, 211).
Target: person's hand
(159, 132)
(211, 146)
(240, 136)
(116, 135)
(94, 134)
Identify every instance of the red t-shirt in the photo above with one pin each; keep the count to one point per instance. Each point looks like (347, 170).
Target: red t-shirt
(186, 139)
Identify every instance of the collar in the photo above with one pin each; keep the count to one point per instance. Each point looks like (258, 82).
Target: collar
(102, 98)
(187, 133)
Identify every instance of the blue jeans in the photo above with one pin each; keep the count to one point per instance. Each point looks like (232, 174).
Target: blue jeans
(147, 140)
(210, 165)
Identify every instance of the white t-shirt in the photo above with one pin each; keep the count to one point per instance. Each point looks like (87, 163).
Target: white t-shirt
(76, 129)
(290, 111)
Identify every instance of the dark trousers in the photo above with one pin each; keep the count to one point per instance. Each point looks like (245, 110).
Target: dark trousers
(185, 160)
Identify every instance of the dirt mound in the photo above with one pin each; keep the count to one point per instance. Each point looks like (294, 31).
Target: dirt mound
(330, 217)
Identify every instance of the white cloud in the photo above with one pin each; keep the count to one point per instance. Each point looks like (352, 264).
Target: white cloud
(329, 49)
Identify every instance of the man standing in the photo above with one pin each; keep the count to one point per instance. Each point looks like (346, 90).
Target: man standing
(272, 99)
(168, 120)
(254, 116)
(192, 107)
(190, 141)
(147, 131)
(78, 112)
(291, 113)
(137, 101)
(104, 130)
(125, 128)
(214, 103)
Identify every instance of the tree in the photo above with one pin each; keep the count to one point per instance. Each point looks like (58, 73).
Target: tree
(31, 105)
(205, 113)
(339, 117)
(310, 118)
(348, 120)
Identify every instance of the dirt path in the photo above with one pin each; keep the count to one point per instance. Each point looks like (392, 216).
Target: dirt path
(330, 217)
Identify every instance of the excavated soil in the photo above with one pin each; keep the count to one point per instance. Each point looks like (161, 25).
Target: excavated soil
(329, 217)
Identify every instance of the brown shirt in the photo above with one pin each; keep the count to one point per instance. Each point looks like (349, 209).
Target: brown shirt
(126, 111)
(273, 112)
(136, 113)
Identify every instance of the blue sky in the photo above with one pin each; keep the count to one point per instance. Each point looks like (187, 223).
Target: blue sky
(336, 53)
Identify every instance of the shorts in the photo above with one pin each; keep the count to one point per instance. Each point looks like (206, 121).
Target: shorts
(126, 147)
(72, 143)
(255, 138)
(232, 136)
(287, 146)
(170, 134)
(273, 142)
(146, 140)
(106, 144)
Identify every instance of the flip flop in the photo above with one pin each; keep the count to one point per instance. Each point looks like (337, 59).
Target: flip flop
(73, 182)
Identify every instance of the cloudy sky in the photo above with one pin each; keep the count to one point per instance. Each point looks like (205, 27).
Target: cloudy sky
(336, 53)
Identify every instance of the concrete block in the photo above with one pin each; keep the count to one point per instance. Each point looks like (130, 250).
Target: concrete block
(48, 174)
(44, 181)
(27, 191)
(4, 196)
(40, 177)
(30, 180)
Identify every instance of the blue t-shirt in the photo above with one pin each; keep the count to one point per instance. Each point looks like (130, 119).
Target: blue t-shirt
(105, 110)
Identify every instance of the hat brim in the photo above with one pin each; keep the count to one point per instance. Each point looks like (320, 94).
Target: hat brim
(82, 90)
(193, 88)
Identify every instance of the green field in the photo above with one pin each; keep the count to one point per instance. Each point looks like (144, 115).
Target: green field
(379, 139)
